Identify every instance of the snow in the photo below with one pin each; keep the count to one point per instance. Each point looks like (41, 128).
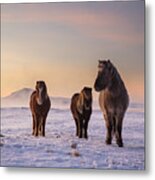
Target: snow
(61, 149)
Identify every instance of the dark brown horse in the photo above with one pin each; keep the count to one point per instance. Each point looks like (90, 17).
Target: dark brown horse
(40, 106)
(81, 108)
(113, 99)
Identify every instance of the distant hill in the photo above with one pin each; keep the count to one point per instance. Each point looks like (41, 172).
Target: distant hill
(18, 98)
(21, 98)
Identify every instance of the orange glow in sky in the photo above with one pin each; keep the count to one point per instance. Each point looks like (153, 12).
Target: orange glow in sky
(62, 42)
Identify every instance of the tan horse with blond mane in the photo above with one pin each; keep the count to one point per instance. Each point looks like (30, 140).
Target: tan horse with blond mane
(81, 108)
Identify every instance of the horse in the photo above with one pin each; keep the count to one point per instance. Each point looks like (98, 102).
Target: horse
(40, 105)
(81, 108)
(113, 99)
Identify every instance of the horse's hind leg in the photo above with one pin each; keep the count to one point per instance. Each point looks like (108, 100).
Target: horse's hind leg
(118, 132)
(108, 120)
(77, 126)
(33, 124)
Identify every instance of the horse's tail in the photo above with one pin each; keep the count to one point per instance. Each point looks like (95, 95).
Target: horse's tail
(113, 126)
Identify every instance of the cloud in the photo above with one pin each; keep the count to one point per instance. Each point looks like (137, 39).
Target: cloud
(104, 25)
(27, 39)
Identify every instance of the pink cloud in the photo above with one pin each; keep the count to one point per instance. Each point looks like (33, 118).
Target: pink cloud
(104, 26)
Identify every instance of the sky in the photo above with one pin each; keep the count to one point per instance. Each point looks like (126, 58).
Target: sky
(61, 44)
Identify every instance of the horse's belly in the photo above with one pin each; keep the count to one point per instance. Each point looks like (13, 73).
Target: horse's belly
(109, 105)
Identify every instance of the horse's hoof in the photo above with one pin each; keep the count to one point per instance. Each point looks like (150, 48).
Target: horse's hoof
(86, 137)
(120, 143)
(108, 141)
(36, 135)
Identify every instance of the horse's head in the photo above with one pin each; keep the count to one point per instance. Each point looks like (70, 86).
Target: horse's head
(87, 92)
(41, 92)
(87, 95)
(41, 86)
(104, 75)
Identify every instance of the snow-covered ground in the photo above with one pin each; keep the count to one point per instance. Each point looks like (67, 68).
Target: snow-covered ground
(19, 148)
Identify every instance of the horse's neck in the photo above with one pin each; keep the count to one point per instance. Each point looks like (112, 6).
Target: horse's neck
(41, 96)
(116, 85)
(80, 103)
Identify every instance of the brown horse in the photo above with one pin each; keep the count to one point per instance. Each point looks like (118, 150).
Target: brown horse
(40, 106)
(113, 99)
(81, 108)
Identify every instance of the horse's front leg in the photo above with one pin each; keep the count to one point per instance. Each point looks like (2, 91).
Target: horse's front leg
(86, 128)
(108, 121)
(43, 125)
(36, 130)
(40, 127)
(80, 127)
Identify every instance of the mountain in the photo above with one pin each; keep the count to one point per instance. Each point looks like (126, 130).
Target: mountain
(21, 98)
(18, 98)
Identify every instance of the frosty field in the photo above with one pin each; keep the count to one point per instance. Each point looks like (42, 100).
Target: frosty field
(60, 148)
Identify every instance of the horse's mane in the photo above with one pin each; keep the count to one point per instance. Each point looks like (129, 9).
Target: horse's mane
(44, 89)
(43, 96)
(116, 84)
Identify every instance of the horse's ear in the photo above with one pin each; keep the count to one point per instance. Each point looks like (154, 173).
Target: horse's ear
(110, 67)
(108, 64)
(83, 89)
(108, 61)
(99, 61)
(36, 85)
